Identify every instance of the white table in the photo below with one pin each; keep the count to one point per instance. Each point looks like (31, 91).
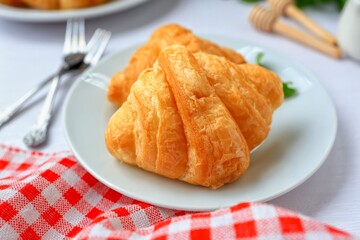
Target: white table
(30, 51)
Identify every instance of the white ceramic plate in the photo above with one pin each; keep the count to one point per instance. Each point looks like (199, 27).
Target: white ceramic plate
(303, 132)
(35, 15)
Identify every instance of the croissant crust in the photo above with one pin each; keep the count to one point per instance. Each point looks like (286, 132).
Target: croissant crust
(53, 4)
(146, 56)
(194, 117)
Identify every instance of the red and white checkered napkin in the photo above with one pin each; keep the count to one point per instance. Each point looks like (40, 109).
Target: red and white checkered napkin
(53, 197)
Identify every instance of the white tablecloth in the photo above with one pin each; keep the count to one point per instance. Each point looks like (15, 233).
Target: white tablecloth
(30, 51)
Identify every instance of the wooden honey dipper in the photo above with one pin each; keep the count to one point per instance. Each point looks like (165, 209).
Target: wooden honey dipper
(287, 8)
(265, 20)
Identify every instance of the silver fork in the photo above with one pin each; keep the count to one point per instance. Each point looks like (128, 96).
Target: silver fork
(74, 53)
(94, 50)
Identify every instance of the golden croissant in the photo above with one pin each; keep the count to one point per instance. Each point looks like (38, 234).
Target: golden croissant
(54, 4)
(15, 3)
(194, 117)
(146, 56)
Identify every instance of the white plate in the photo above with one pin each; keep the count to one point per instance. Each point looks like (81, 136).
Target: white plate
(303, 132)
(36, 15)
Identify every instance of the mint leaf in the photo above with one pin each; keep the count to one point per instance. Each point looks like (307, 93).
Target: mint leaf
(288, 91)
(259, 58)
(308, 3)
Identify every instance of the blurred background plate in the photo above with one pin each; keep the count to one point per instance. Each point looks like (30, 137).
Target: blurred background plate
(36, 15)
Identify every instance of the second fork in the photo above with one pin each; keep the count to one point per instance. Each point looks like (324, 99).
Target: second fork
(74, 50)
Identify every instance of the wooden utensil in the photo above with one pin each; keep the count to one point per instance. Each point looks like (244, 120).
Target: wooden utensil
(265, 20)
(287, 8)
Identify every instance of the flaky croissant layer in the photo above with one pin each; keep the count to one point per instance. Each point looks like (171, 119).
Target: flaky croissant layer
(146, 56)
(194, 117)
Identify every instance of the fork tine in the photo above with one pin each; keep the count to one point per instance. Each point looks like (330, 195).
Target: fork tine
(68, 36)
(101, 49)
(91, 51)
(82, 42)
(94, 39)
(75, 36)
(98, 46)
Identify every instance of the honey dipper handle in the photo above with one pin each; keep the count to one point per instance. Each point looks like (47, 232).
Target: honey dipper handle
(306, 39)
(296, 14)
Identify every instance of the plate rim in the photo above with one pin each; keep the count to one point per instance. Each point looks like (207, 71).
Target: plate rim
(326, 151)
(37, 15)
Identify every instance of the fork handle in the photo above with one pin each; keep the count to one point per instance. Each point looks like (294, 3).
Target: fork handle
(38, 133)
(45, 114)
(11, 110)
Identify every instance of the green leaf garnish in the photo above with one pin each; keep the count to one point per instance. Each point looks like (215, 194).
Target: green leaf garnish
(288, 91)
(308, 3)
(259, 58)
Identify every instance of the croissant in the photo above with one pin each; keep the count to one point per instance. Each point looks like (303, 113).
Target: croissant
(43, 4)
(15, 3)
(194, 117)
(146, 56)
(54, 4)
(71, 4)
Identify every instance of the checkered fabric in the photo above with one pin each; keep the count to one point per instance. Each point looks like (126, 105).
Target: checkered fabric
(51, 196)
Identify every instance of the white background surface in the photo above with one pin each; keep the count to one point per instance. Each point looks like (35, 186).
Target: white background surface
(29, 52)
